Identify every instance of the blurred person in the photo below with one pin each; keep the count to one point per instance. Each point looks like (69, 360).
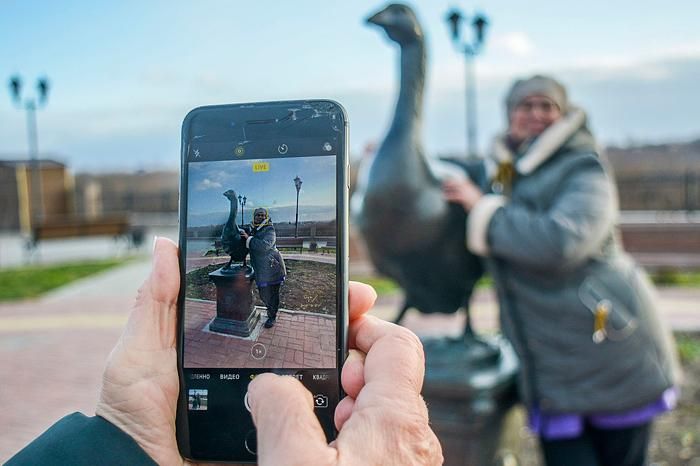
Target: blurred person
(267, 262)
(597, 362)
(382, 420)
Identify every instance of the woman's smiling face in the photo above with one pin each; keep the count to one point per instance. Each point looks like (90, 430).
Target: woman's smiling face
(534, 114)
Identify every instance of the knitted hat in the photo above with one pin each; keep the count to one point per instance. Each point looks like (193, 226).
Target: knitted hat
(537, 85)
(266, 221)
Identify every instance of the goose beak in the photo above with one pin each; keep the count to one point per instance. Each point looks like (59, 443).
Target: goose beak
(377, 18)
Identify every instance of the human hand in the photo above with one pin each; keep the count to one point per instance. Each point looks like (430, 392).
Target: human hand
(383, 419)
(463, 192)
(140, 385)
(243, 233)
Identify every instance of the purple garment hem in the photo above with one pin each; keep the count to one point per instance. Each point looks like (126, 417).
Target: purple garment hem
(563, 426)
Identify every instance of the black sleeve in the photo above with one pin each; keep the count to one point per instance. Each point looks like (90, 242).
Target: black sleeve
(80, 440)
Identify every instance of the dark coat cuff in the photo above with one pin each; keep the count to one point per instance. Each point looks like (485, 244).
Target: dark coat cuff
(80, 440)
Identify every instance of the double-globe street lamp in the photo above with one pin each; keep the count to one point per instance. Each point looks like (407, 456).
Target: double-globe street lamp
(470, 49)
(31, 105)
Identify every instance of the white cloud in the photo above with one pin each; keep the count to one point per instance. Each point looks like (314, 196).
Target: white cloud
(206, 183)
(516, 44)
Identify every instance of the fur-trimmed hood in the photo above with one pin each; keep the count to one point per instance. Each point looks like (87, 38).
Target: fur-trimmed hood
(570, 132)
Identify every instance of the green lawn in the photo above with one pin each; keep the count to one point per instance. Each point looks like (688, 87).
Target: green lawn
(688, 347)
(385, 285)
(30, 282)
(676, 278)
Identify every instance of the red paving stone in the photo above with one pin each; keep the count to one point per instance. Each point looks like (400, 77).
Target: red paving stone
(297, 340)
(50, 372)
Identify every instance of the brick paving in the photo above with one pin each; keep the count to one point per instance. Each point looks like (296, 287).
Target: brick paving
(53, 351)
(51, 359)
(297, 340)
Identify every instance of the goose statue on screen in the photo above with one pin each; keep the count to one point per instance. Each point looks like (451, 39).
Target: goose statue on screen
(231, 240)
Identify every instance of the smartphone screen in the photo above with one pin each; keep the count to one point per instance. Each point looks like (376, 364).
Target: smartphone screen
(263, 220)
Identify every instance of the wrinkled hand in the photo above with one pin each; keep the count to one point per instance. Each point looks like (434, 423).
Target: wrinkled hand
(140, 384)
(462, 192)
(383, 420)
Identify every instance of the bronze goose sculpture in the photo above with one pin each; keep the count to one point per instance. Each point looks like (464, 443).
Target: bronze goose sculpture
(412, 234)
(231, 240)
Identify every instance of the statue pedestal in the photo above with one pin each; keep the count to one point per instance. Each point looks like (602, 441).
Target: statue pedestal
(470, 391)
(235, 311)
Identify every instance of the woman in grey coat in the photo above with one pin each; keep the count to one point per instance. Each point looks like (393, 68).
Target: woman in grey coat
(267, 262)
(597, 362)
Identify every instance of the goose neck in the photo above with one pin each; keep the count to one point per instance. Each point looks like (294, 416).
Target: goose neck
(409, 104)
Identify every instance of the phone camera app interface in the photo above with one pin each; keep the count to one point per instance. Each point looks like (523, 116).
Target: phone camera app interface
(261, 266)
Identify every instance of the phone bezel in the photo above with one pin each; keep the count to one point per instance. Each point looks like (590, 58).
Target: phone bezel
(342, 202)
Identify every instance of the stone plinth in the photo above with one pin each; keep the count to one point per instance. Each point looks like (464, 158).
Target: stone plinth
(235, 311)
(470, 391)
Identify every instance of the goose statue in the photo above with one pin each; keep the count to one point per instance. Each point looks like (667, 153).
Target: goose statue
(231, 239)
(412, 234)
(417, 238)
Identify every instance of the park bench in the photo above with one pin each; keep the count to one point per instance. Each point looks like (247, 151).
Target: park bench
(659, 246)
(305, 243)
(290, 243)
(75, 227)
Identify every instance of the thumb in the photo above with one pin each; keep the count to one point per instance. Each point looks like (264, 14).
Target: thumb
(288, 431)
(153, 320)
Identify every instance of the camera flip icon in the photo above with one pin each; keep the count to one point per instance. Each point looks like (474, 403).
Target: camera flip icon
(320, 401)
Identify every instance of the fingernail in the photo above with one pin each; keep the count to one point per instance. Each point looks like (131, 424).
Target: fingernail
(354, 355)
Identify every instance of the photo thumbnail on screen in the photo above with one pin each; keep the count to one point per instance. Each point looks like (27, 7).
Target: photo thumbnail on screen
(197, 399)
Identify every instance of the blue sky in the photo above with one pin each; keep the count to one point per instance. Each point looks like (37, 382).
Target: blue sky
(124, 74)
(273, 189)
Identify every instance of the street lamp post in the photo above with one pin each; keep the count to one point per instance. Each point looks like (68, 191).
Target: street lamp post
(297, 184)
(31, 105)
(470, 49)
(241, 201)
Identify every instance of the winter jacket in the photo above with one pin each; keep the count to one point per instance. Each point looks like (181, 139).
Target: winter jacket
(580, 314)
(266, 260)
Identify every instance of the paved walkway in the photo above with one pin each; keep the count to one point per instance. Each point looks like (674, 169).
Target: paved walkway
(296, 340)
(53, 350)
(679, 306)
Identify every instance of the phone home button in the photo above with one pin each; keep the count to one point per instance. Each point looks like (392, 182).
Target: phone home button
(251, 442)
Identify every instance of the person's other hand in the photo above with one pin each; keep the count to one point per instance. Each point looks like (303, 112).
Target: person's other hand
(462, 192)
(383, 420)
(140, 384)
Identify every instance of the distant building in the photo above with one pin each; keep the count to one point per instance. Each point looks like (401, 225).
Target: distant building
(141, 192)
(658, 176)
(26, 198)
(654, 176)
